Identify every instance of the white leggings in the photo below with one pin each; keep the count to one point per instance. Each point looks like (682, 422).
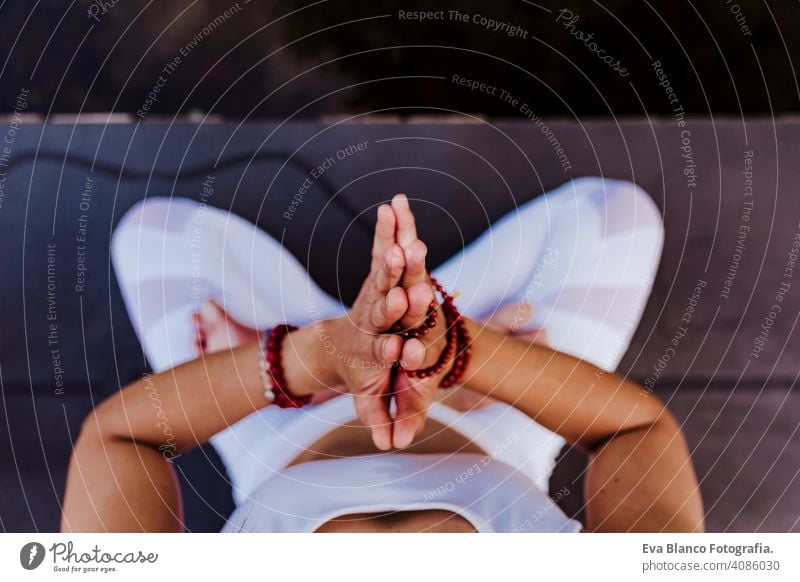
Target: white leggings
(584, 255)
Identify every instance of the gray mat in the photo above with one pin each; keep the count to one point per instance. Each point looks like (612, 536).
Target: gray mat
(464, 177)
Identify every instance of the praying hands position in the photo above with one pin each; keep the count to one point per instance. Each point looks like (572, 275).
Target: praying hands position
(640, 477)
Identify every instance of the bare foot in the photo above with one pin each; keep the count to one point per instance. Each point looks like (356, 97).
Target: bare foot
(216, 330)
(511, 317)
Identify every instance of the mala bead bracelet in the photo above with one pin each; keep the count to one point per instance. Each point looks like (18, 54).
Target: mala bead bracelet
(271, 369)
(458, 349)
(458, 340)
(422, 330)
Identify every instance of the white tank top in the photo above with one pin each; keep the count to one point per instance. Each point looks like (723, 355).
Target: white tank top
(502, 491)
(489, 494)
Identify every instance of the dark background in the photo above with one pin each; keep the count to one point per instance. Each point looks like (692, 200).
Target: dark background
(374, 61)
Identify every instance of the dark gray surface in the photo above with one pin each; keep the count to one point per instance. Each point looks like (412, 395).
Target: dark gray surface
(464, 177)
(746, 448)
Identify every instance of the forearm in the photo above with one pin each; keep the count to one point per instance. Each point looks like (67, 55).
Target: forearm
(640, 475)
(183, 407)
(120, 476)
(571, 397)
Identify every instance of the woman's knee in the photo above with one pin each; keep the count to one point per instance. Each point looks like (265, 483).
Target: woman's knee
(143, 212)
(624, 210)
(629, 207)
(632, 213)
(148, 212)
(158, 212)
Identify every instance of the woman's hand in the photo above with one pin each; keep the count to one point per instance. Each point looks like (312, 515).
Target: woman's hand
(413, 396)
(361, 351)
(364, 353)
(358, 344)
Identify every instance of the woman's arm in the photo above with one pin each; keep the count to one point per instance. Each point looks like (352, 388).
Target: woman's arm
(120, 476)
(640, 475)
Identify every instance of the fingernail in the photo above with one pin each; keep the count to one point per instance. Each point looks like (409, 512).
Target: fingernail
(403, 441)
(382, 446)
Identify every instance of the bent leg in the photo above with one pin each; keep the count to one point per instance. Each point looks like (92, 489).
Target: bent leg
(170, 256)
(598, 269)
(584, 255)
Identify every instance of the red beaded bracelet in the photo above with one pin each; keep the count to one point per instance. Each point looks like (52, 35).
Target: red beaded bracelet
(271, 368)
(422, 330)
(458, 341)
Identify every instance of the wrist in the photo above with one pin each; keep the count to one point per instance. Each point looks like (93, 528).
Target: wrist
(436, 342)
(307, 368)
(324, 349)
(454, 354)
(339, 349)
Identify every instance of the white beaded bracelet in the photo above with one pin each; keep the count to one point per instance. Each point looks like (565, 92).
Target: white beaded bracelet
(263, 368)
